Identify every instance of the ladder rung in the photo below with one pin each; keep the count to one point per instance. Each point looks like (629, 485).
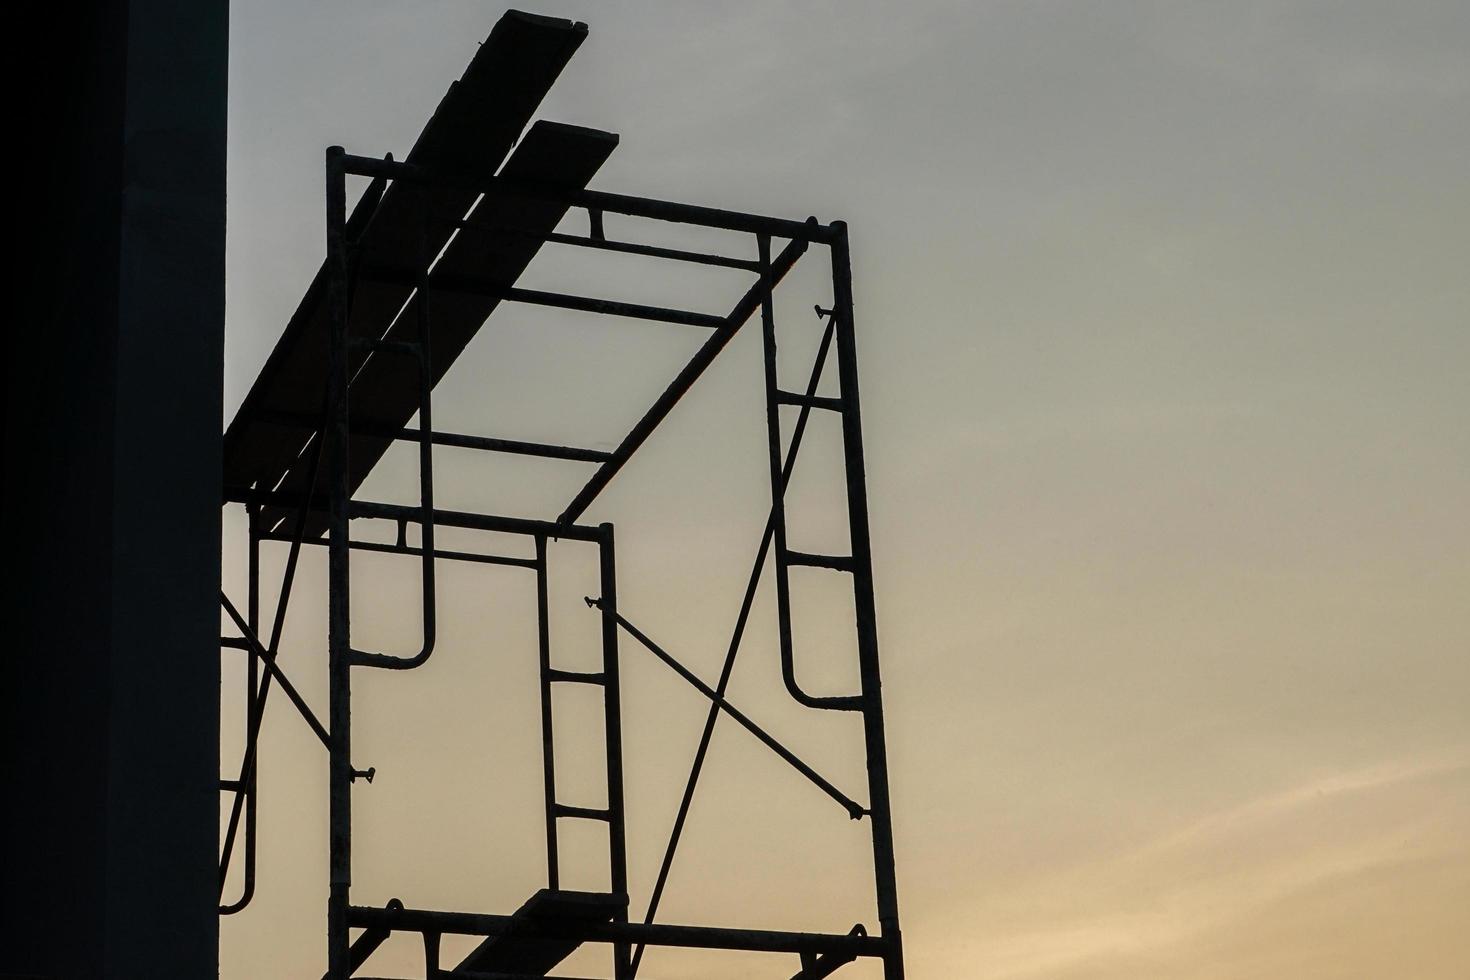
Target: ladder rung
(839, 563)
(576, 676)
(580, 812)
(809, 401)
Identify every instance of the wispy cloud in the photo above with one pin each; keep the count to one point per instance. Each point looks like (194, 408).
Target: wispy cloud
(1176, 903)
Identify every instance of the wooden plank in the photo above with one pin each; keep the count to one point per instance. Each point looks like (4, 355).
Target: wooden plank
(384, 394)
(471, 131)
(518, 951)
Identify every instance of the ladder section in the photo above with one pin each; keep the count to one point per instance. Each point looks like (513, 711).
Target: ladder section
(785, 556)
(555, 810)
(857, 564)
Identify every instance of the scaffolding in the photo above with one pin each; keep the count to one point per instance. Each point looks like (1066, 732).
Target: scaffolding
(432, 247)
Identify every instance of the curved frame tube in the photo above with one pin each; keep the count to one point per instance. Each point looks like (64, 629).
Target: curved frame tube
(361, 658)
(778, 492)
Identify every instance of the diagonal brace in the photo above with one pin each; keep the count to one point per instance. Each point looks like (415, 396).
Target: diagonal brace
(257, 713)
(685, 379)
(697, 767)
(268, 660)
(854, 809)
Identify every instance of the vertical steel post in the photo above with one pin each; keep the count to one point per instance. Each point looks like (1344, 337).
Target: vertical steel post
(548, 747)
(774, 454)
(867, 625)
(613, 740)
(426, 426)
(339, 631)
(252, 699)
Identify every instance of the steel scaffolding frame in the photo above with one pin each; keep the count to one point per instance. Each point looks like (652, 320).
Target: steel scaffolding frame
(553, 922)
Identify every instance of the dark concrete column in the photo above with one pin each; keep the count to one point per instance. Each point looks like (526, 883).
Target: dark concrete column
(111, 514)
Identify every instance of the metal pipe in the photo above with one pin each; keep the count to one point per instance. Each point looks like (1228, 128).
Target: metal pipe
(592, 304)
(578, 676)
(838, 563)
(339, 966)
(638, 207)
(808, 401)
(548, 745)
(439, 553)
(609, 245)
(581, 812)
(867, 626)
(248, 783)
(424, 360)
(478, 522)
(252, 783)
(702, 359)
(653, 251)
(471, 286)
(613, 741)
(372, 510)
(686, 937)
(456, 440)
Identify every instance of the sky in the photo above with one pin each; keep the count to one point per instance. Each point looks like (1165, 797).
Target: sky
(1162, 327)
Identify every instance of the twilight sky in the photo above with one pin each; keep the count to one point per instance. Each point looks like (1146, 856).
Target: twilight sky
(1162, 314)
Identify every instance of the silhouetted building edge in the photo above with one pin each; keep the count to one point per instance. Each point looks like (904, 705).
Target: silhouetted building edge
(112, 449)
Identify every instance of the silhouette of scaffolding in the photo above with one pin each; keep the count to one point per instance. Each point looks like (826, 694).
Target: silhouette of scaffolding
(431, 249)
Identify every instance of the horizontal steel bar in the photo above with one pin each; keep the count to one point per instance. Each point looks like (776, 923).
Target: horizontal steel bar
(651, 934)
(655, 251)
(610, 307)
(471, 286)
(400, 549)
(230, 785)
(576, 676)
(234, 643)
(809, 401)
(310, 423)
(609, 245)
(638, 207)
(477, 522)
(838, 563)
(370, 510)
(581, 812)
